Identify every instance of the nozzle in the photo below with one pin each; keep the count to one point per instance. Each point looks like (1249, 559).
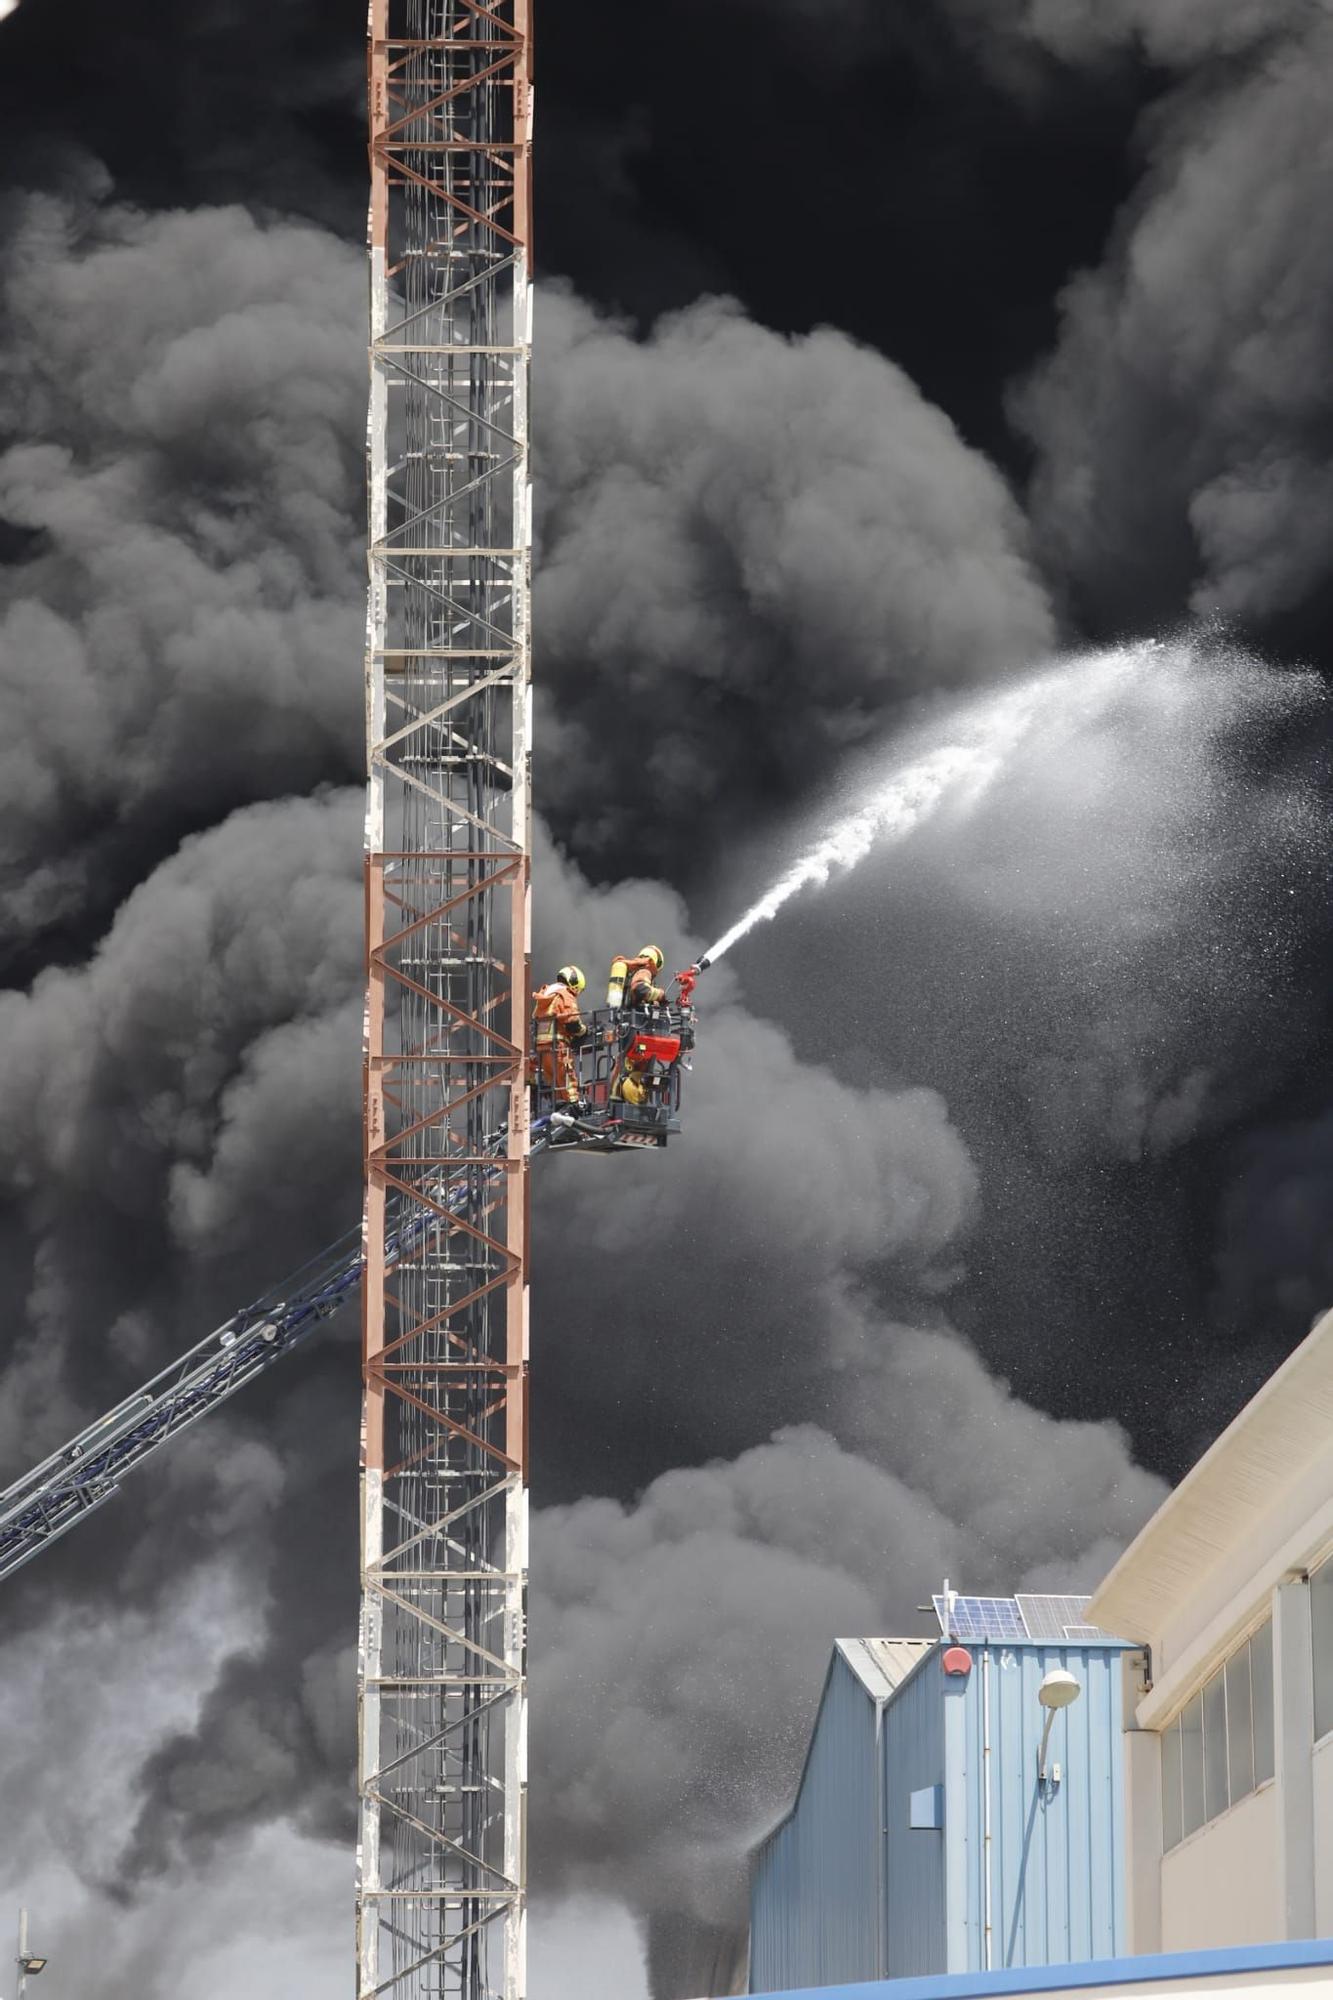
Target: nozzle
(704, 963)
(686, 981)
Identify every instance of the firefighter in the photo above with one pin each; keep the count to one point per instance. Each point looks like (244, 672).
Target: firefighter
(627, 1086)
(559, 1029)
(632, 984)
(632, 979)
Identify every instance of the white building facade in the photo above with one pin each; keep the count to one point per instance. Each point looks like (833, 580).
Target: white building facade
(1229, 1708)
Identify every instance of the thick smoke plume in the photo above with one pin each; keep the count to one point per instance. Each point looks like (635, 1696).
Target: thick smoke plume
(272, 1738)
(1181, 424)
(769, 1367)
(681, 1642)
(185, 409)
(754, 551)
(102, 1682)
(187, 487)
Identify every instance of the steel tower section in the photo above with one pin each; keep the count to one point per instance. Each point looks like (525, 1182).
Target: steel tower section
(442, 1683)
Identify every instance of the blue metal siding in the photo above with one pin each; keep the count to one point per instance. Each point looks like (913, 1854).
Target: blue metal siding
(1210, 1968)
(914, 1757)
(815, 1894)
(847, 1890)
(1056, 1862)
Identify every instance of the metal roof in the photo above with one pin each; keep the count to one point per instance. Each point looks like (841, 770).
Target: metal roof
(1280, 1435)
(1200, 1972)
(881, 1665)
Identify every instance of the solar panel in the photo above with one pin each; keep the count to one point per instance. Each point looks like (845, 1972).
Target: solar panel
(1049, 1617)
(980, 1618)
(1022, 1620)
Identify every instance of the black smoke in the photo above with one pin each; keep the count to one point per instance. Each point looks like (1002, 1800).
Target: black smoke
(753, 553)
(994, 1199)
(180, 409)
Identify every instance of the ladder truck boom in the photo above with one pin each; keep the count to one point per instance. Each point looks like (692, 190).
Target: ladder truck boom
(85, 1472)
(88, 1469)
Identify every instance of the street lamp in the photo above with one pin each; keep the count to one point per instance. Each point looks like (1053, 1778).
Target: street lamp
(1057, 1691)
(28, 1961)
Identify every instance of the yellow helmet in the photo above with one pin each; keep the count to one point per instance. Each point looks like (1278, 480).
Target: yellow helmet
(653, 955)
(572, 978)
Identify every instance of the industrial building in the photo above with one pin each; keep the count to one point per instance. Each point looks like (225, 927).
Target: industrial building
(961, 1805)
(1229, 1707)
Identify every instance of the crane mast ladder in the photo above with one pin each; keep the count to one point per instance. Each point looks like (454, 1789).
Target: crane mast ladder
(442, 1656)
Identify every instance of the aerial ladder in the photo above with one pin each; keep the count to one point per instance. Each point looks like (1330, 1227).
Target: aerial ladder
(88, 1469)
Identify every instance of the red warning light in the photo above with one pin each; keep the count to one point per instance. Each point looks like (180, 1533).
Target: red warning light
(957, 1660)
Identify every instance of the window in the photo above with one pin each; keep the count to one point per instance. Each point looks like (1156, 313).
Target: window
(1261, 1683)
(1321, 1633)
(1191, 1764)
(1220, 1746)
(1172, 1830)
(1240, 1724)
(1216, 1795)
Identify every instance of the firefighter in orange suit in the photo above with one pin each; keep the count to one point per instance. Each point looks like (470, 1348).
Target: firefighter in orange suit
(559, 1028)
(633, 979)
(633, 984)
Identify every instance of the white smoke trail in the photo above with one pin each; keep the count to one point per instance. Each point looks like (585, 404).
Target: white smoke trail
(980, 740)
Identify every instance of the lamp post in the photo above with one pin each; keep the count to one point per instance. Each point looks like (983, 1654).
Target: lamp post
(28, 1961)
(1058, 1689)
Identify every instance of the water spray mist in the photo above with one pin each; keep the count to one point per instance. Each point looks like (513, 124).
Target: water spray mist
(954, 774)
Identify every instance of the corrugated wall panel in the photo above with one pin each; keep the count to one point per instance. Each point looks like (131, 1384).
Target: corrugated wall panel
(814, 1895)
(1057, 1870)
(913, 1752)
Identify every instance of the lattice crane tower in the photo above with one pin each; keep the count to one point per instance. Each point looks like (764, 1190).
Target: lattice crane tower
(442, 1689)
